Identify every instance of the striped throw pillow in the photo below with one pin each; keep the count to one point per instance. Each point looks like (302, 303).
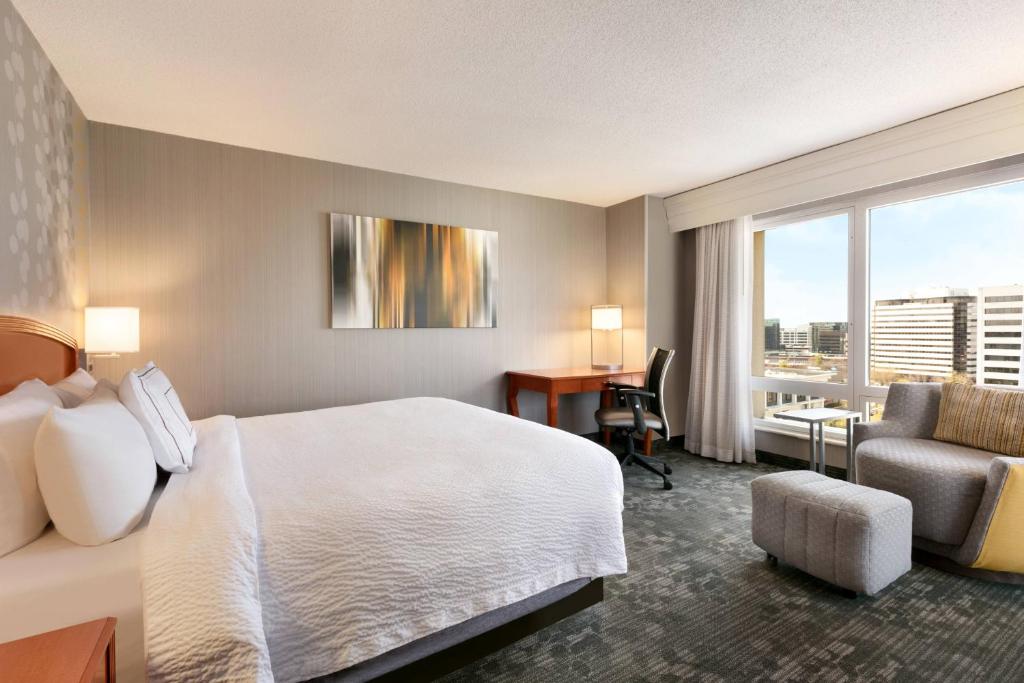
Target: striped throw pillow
(989, 419)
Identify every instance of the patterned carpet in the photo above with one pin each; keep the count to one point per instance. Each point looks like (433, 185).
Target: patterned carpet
(701, 603)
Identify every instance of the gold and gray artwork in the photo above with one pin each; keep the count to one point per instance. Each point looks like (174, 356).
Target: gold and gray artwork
(389, 273)
(36, 170)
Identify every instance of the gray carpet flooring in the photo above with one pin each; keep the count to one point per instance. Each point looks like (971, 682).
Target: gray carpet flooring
(700, 603)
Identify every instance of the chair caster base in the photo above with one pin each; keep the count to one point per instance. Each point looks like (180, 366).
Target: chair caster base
(668, 485)
(668, 470)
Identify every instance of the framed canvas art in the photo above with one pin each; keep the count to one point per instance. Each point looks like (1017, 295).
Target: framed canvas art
(388, 273)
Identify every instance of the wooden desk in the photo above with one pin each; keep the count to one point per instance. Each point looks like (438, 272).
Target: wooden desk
(558, 381)
(78, 653)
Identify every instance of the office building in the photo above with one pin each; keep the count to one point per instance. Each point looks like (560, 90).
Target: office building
(772, 336)
(796, 338)
(1000, 326)
(926, 338)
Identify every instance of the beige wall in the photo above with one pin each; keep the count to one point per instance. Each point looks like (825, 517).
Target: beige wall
(650, 272)
(626, 281)
(670, 305)
(44, 197)
(225, 250)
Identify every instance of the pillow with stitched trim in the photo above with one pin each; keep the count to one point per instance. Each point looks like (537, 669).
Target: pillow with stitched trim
(149, 396)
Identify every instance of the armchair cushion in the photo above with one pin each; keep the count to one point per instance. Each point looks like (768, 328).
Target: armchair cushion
(990, 419)
(944, 481)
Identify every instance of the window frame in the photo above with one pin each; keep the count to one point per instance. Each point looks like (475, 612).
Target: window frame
(858, 392)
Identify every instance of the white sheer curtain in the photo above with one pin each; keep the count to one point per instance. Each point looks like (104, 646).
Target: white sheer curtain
(719, 415)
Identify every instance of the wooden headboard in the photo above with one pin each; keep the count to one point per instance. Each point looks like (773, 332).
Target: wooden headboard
(31, 349)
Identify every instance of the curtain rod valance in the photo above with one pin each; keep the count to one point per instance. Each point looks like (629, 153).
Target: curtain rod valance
(981, 131)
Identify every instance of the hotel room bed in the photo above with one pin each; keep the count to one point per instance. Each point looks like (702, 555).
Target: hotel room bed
(346, 542)
(353, 531)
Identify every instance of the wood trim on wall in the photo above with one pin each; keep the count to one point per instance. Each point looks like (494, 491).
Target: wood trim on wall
(992, 128)
(30, 349)
(18, 324)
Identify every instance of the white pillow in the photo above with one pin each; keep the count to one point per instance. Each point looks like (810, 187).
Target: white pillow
(75, 388)
(95, 469)
(148, 394)
(22, 511)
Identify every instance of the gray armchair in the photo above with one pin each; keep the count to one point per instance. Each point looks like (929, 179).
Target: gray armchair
(955, 490)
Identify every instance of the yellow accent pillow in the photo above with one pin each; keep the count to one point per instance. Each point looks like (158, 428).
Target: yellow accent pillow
(989, 419)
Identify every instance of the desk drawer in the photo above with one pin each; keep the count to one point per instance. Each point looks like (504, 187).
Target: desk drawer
(568, 386)
(592, 384)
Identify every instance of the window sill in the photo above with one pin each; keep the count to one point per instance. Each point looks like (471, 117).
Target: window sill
(833, 436)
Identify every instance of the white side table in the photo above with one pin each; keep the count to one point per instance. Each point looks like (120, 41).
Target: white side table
(819, 416)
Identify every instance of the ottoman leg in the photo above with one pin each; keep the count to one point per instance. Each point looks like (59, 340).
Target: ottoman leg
(772, 560)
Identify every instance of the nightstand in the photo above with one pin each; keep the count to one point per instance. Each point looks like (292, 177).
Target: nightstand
(78, 654)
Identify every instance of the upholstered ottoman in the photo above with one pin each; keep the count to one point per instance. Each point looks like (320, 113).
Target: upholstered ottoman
(849, 535)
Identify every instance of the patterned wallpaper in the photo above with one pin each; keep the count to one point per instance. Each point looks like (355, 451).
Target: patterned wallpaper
(43, 184)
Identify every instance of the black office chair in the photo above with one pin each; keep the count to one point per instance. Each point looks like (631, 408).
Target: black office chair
(638, 410)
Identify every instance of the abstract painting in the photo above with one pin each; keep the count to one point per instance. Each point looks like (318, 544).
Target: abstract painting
(389, 273)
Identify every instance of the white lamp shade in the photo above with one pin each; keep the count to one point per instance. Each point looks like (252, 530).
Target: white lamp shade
(111, 329)
(608, 317)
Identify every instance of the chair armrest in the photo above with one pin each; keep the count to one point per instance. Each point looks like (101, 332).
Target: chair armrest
(911, 411)
(616, 388)
(862, 431)
(636, 400)
(633, 391)
(993, 542)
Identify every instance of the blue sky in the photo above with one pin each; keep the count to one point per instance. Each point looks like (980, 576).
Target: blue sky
(967, 240)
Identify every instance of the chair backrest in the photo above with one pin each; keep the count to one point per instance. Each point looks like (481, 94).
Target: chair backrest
(914, 405)
(654, 382)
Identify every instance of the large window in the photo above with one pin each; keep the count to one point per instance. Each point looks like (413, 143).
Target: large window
(924, 283)
(800, 294)
(947, 286)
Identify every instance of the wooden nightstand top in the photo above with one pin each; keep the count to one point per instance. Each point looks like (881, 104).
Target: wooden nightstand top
(76, 653)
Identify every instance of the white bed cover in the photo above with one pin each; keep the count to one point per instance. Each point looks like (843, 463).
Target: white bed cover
(372, 526)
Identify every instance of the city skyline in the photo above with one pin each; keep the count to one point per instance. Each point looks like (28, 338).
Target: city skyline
(930, 338)
(806, 263)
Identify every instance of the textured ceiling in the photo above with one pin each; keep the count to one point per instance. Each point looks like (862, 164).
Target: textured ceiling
(590, 101)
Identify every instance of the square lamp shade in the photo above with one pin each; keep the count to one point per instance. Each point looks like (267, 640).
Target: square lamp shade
(111, 330)
(606, 337)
